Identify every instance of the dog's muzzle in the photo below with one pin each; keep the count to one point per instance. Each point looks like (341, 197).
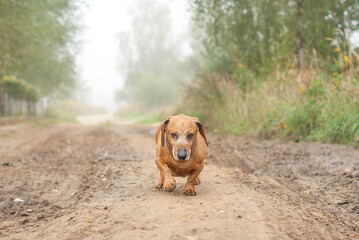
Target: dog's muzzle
(182, 154)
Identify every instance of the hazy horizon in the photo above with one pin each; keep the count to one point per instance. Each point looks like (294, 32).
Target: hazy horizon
(98, 59)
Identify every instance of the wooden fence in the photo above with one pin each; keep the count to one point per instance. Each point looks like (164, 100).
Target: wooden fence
(19, 107)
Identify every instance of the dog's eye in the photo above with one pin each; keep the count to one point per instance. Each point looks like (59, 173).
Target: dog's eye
(189, 136)
(174, 135)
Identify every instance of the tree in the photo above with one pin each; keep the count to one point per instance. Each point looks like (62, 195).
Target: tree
(149, 57)
(265, 33)
(36, 42)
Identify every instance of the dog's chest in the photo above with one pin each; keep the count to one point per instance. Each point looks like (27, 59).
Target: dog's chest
(180, 169)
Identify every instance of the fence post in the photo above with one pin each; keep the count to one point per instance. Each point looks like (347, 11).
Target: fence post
(9, 105)
(35, 103)
(5, 101)
(28, 108)
(16, 107)
(20, 103)
(2, 96)
(48, 107)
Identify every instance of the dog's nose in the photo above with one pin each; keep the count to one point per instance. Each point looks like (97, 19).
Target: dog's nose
(182, 153)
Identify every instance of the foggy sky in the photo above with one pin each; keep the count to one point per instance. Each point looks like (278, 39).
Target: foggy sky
(97, 63)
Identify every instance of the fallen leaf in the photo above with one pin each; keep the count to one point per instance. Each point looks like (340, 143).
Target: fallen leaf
(104, 179)
(350, 235)
(90, 221)
(55, 190)
(346, 170)
(206, 162)
(244, 171)
(306, 192)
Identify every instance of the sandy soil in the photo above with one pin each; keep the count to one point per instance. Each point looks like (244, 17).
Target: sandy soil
(97, 182)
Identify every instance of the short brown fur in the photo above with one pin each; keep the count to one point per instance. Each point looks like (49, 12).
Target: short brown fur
(166, 146)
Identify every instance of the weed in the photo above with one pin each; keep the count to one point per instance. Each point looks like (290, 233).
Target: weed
(306, 105)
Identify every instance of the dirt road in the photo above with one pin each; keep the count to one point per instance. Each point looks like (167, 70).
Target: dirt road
(72, 181)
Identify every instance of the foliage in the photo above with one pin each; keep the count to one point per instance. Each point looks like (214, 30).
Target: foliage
(14, 87)
(277, 68)
(76, 107)
(31, 93)
(155, 91)
(67, 110)
(61, 115)
(135, 113)
(262, 34)
(37, 42)
(19, 89)
(306, 106)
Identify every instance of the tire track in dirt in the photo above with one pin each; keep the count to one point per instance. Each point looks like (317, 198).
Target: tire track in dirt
(100, 186)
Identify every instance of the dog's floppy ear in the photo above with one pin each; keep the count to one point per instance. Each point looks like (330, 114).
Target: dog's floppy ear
(163, 130)
(201, 129)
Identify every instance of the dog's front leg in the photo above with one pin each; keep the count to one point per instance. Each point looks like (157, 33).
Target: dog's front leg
(167, 181)
(189, 189)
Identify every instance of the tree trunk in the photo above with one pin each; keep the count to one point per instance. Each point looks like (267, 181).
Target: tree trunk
(300, 40)
(9, 102)
(28, 104)
(2, 91)
(34, 109)
(20, 106)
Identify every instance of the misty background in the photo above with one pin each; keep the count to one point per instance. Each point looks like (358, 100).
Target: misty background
(261, 68)
(116, 35)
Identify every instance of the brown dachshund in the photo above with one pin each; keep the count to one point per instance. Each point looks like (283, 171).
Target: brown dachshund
(180, 151)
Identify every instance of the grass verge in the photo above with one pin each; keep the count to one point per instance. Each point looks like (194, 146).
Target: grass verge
(140, 115)
(306, 105)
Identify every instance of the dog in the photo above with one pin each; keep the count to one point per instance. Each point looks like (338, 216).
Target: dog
(181, 147)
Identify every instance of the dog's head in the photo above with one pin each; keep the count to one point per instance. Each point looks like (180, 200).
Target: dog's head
(179, 133)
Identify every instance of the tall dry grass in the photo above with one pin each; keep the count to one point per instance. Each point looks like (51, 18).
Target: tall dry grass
(304, 105)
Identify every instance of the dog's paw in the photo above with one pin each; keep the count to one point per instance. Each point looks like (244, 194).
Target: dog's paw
(159, 185)
(198, 181)
(189, 190)
(170, 185)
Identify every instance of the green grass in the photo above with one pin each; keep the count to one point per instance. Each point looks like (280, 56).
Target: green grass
(56, 115)
(140, 116)
(61, 115)
(44, 122)
(4, 134)
(106, 124)
(149, 120)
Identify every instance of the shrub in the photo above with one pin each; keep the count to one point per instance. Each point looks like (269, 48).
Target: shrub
(305, 105)
(14, 87)
(31, 93)
(19, 89)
